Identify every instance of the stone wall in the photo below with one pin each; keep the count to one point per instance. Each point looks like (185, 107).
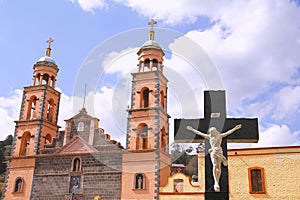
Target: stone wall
(100, 175)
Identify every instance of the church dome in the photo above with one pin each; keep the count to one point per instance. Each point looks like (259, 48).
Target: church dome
(46, 59)
(151, 44)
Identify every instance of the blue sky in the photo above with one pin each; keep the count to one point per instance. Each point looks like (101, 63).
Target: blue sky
(253, 46)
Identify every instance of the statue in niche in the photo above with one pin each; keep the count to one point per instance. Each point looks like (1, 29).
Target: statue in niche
(139, 181)
(216, 152)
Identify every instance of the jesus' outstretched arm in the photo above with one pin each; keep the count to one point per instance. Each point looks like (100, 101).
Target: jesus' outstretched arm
(237, 127)
(197, 132)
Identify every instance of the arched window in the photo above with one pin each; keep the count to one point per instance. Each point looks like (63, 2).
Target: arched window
(139, 181)
(164, 139)
(52, 81)
(48, 139)
(178, 185)
(31, 107)
(155, 64)
(147, 63)
(19, 185)
(76, 165)
(256, 180)
(45, 80)
(162, 99)
(25, 141)
(144, 98)
(142, 137)
(80, 126)
(50, 110)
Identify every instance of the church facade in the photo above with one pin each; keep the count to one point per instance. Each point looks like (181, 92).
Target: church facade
(82, 162)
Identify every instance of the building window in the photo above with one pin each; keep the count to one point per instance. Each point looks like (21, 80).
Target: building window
(142, 137)
(256, 180)
(31, 107)
(50, 110)
(164, 139)
(76, 165)
(80, 126)
(144, 98)
(139, 181)
(48, 139)
(25, 141)
(162, 99)
(147, 63)
(155, 64)
(45, 80)
(178, 185)
(19, 185)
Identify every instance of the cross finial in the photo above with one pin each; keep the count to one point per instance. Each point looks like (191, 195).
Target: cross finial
(48, 50)
(151, 24)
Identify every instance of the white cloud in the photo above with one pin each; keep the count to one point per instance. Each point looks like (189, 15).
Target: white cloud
(121, 62)
(288, 102)
(9, 112)
(278, 135)
(174, 12)
(91, 5)
(274, 135)
(253, 43)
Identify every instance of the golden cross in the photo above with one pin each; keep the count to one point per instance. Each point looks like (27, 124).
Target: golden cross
(151, 33)
(49, 41)
(151, 23)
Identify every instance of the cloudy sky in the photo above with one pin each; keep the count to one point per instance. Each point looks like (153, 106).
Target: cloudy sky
(251, 49)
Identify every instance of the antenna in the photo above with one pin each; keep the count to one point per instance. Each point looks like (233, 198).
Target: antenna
(84, 96)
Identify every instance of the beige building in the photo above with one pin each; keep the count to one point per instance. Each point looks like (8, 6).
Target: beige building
(261, 173)
(254, 173)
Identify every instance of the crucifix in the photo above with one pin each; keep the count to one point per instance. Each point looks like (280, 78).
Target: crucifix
(238, 130)
(48, 50)
(151, 24)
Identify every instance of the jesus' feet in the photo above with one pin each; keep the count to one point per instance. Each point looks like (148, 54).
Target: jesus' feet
(217, 188)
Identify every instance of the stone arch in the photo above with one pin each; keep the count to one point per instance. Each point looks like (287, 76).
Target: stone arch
(144, 97)
(19, 185)
(25, 141)
(142, 137)
(50, 110)
(45, 79)
(31, 111)
(48, 139)
(76, 164)
(147, 64)
(154, 65)
(164, 139)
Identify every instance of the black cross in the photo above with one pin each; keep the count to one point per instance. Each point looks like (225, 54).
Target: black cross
(215, 116)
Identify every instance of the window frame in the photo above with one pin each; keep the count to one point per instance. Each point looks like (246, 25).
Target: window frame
(261, 169)
(22, 185)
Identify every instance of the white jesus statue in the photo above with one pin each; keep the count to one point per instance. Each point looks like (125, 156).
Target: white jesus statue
(216, 152)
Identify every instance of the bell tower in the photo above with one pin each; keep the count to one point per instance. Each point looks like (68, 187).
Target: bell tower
(148, 126)
(36, 127)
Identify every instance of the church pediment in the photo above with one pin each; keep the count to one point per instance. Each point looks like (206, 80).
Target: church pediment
(77, 145)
